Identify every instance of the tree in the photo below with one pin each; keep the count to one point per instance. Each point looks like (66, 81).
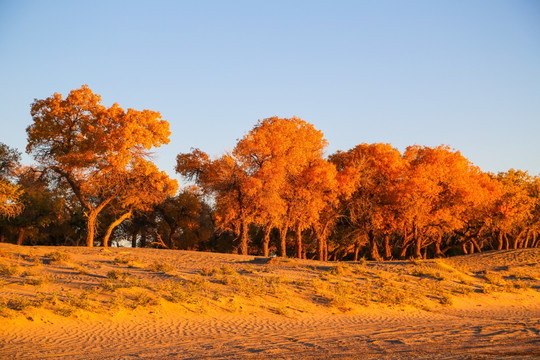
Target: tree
(227, 181)
(184, 220)
(441, 186)
(10, 194)
(281, 156)
(514, 208)
(142, 187)
(85, 143)
(373, 207)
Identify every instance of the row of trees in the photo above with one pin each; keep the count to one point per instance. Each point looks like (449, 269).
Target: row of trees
(371, 199)
(275, 191)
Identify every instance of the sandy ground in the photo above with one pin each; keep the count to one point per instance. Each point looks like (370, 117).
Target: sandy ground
(498, 324)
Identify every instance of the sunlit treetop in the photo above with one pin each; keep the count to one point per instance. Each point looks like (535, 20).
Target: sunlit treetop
(78, 132)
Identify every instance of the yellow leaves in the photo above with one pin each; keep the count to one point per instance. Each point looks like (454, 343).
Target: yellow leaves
(65, 131)
(10, 203)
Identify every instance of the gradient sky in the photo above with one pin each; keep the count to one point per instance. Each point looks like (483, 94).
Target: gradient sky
(461, 73)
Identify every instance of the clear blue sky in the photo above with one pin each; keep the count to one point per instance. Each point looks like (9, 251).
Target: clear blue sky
(461, 73)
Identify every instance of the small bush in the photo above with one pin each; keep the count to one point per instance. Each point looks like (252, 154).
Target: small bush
(121, 260)
(338, 270)
(82, 270)
(116, 275)
(83, 301)
(447, 299)
(134, 264)
(161, 267)
(227, 270)
(37, 280)
(428, 273)
(206, 271)
(494, 278)
(143, 299)
(58, 257)
(9, 270)
(19, 303)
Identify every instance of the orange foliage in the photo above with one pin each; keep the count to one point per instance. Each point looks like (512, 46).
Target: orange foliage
(96, 149)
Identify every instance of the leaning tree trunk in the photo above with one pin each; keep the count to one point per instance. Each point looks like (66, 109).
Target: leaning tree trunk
(20, 238)
(113, 226)
(356, 250)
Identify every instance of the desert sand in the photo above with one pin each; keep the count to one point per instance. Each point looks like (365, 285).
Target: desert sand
(121, 303)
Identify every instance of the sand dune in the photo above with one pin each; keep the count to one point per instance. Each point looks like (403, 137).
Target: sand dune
(499, 318)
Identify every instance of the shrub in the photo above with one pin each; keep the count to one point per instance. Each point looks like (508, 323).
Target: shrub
(9, 270)
(494, 278)
(116, 274)
(161, 267)
(37, 280)
(19, 303)
(58, 257)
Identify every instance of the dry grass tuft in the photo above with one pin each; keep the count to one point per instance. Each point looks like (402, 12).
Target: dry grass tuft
(10, 270)
(58, 257)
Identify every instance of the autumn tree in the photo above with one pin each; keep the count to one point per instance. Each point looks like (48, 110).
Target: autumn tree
(373, 208)
(284, 160)
(227, 181)
(441, 185)
(184, 221)
(141, 187)
(10, 193)
(85, 143)
(514, 208)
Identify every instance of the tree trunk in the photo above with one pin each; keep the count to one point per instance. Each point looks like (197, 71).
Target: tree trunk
(527, 238)
(134, 239)
(325, 250)
(387, 248)
(298, 243)
(356, 250)
(91, 228)
(113, 226)
(320, 246)
(506, 242)
(283, 240)
(471, 248)
(374, 251)
(143, 238)
(438, 251)
(500, 242)
(2, 238)
(403, 252)
(464, 247)
(418, 247)
(20, 238)
(244, 237)
(266, 240)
